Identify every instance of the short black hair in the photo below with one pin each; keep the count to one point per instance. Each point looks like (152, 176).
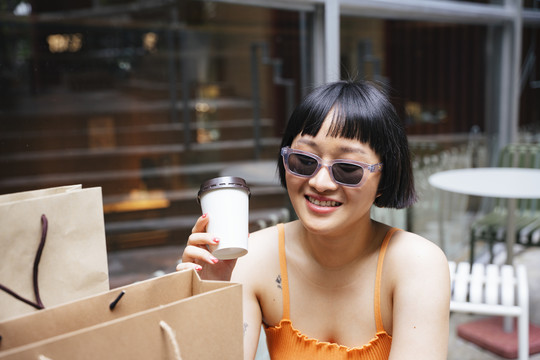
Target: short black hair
(362, 111)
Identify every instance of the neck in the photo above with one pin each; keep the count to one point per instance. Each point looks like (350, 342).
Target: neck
(336, 252)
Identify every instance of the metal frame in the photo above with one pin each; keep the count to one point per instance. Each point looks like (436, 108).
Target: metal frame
(505, 19)
(428, 10)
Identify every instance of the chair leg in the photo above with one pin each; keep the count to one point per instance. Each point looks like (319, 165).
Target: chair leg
(491, 254)
(472, 245)
(523, 337)
(523, 319)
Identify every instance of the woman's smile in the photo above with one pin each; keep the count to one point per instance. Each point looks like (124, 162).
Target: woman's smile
(321, 205)
(324, 203)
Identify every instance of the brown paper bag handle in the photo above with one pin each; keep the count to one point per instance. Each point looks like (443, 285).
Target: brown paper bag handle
(172, 339)
(38, 304)
(113, 304)
(169, 332)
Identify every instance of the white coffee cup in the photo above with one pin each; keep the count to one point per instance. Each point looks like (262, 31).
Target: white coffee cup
(226, 201)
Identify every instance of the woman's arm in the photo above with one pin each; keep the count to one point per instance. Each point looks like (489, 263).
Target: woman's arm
(252, 313)
(252, 272)
(421, 300)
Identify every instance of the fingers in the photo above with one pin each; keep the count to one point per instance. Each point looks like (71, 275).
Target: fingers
(188, 266)
(197, 248)
(197, 254)
(202, 240)
(201, 224)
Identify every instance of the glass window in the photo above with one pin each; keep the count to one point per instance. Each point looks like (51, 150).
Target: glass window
(436, 72)
(437, 69)
(146, 101)
(529, 109)
(530, 4)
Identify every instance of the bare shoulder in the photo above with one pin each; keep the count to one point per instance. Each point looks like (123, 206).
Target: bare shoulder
(420, 295)
(410, 254)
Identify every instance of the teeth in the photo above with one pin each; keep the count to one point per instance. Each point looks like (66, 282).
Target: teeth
(323, 203)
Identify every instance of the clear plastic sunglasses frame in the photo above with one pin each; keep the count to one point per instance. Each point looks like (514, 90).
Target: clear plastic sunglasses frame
(368, 168)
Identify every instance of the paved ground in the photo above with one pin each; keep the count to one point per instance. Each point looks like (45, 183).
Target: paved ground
(133, 265)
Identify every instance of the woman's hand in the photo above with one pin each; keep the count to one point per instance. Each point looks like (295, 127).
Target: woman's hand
(197, 256)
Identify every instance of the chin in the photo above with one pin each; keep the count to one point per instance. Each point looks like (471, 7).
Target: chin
(320, 225)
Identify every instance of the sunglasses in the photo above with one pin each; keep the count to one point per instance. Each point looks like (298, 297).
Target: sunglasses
(343, 172)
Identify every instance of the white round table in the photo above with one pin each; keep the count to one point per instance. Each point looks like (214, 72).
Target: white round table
(509, 183)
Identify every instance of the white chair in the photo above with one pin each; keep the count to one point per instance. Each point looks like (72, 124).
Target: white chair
(493, 290)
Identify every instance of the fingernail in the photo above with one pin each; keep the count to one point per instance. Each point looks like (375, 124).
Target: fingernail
(216, 240)
(204, 215)
(214, 260)
(198, 267)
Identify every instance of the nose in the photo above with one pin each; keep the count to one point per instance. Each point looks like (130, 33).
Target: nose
(322, 180)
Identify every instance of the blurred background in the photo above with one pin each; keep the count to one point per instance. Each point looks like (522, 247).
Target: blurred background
(147, 99)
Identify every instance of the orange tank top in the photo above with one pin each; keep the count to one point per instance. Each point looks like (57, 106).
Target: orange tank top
(285, 342)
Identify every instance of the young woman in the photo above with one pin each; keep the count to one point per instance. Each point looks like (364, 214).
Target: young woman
(336, 284)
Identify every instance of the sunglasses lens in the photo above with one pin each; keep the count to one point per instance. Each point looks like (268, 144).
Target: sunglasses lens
(302, 164)
(349, 174)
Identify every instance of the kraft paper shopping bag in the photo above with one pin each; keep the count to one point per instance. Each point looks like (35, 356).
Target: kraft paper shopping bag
(52, 246)
(170, 317)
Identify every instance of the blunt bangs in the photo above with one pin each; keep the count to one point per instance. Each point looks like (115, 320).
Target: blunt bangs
(361, 111)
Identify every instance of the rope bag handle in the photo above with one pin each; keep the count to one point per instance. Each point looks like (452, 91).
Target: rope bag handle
(38, 304)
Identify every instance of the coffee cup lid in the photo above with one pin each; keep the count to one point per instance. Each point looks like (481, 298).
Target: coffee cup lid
(223, 182)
